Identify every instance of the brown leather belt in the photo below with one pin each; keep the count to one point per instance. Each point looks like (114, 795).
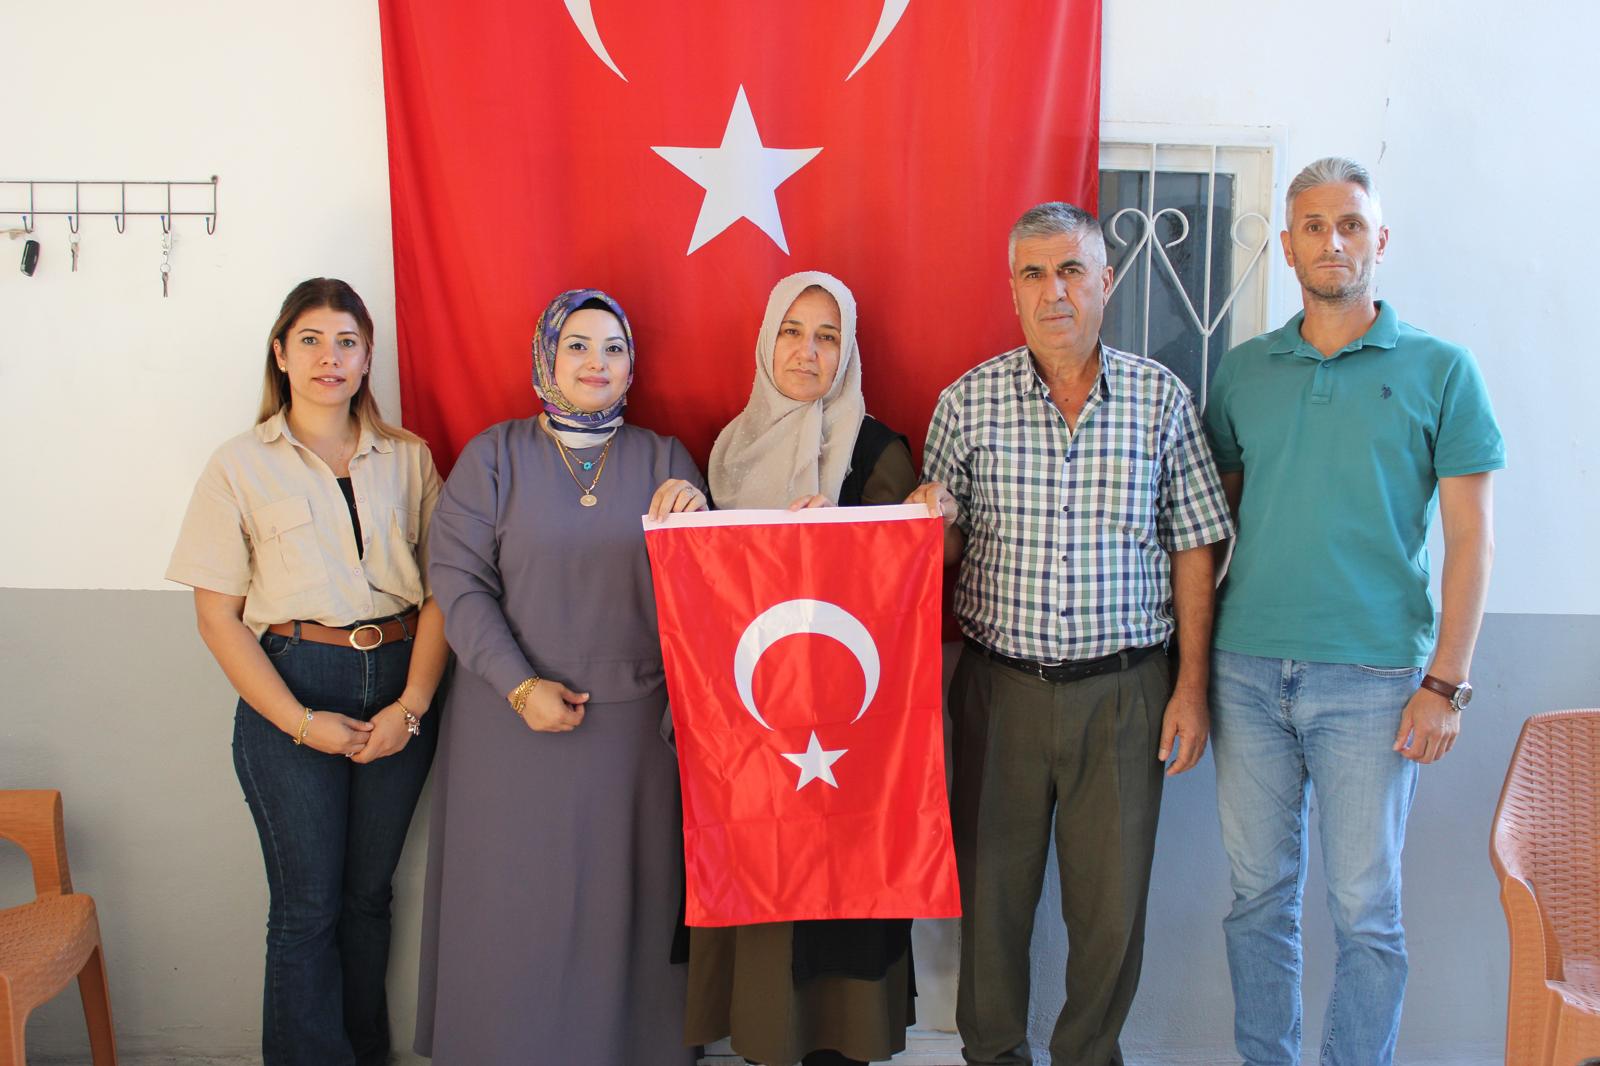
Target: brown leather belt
(364, 636)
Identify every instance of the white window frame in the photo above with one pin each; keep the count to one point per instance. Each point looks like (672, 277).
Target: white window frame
(1255, 158)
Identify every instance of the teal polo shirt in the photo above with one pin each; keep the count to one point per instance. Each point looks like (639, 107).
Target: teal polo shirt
(1342, 459)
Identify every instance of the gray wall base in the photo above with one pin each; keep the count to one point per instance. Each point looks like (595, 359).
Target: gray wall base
(110, 697)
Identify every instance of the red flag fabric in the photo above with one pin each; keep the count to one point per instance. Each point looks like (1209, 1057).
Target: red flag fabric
(803, 671)
(684, 157)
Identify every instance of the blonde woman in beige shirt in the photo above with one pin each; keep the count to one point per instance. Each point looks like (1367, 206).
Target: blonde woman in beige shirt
(306, 545)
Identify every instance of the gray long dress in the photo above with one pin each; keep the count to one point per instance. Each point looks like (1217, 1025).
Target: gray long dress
(555, 861)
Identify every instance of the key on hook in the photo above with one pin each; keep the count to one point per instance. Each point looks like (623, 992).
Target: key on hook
(73, 240)
(166, 260)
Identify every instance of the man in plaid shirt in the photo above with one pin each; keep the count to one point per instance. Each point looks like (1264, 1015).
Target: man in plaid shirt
(1081, 498)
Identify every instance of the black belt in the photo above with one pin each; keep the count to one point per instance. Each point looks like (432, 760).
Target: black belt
(1075, 670)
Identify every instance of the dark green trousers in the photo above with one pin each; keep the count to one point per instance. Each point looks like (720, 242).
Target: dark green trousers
(1083, 752)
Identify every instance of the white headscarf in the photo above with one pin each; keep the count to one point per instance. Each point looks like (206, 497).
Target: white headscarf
(777, 449)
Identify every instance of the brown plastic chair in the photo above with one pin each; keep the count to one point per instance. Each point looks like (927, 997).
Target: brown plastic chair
(1546, 850)
(44, 943)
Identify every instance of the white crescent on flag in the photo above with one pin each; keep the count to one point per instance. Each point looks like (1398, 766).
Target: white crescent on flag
(790, 617)
(582, 12)
(887, 21)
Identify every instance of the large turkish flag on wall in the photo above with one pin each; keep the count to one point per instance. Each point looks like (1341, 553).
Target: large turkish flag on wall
(803, 669)
(684, 156)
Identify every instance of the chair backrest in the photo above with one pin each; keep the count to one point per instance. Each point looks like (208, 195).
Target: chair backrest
(32, 818)
(1547, 827)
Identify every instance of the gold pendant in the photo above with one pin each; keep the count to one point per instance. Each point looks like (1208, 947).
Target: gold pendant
(588, 499)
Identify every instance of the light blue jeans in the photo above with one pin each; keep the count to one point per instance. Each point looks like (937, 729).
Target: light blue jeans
(1280, 729)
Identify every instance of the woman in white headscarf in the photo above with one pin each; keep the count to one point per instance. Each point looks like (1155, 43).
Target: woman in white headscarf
(819, 992)
(805, 437)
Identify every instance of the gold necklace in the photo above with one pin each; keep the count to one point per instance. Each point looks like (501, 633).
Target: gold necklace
(346, 451)
(588, 499)
(341, 457)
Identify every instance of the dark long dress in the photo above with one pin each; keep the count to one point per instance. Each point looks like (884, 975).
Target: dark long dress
(743, 979)
(555, 860)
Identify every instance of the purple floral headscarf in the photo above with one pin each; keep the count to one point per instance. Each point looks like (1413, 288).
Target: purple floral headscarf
(545, 340)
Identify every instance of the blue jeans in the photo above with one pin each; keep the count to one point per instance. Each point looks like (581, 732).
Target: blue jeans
(331, 833)
(1281, 728)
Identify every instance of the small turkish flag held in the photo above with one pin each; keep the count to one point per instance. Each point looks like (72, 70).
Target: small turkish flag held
(802, 656)
(685, 156)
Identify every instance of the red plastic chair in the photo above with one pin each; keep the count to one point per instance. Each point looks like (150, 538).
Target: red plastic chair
(1545, 847)
(45, 943)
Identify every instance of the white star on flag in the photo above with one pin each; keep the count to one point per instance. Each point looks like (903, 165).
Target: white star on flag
(815, 763)
(741, 177)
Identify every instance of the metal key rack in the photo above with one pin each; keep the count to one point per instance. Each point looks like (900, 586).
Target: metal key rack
(54, 192)
(107, 198)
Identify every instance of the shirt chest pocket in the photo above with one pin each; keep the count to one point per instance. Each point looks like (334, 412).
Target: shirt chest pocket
(406, 524)
(288, 555)
(392, 554)
(1125, 491)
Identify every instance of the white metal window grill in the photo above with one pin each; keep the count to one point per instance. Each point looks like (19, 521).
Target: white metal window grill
(1187, 231)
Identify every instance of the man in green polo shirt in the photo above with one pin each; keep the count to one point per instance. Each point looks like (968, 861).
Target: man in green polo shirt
(1335, 436)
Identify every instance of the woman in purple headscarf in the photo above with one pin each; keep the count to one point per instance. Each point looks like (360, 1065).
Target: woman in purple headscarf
(555, 860)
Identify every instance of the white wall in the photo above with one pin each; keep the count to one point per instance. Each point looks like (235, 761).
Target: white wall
(1473, 116)
(111, 397)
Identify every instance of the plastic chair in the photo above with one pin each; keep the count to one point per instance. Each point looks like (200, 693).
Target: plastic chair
(44, 943)
(1545, 847)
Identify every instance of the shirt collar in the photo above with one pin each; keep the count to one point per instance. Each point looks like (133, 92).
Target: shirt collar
(1383, 333)
(277, 427)
(1026, 373)
(273, 428)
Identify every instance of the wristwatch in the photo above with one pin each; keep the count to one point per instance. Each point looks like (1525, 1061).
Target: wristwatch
(1458, 695)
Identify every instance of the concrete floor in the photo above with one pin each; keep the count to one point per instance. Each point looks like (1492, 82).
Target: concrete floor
(913, 1056)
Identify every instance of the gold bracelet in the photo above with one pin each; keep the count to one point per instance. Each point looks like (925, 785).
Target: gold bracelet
(305, 723)
(519, 695)
(413, 724)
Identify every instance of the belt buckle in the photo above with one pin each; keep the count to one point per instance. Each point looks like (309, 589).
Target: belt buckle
(366, 647)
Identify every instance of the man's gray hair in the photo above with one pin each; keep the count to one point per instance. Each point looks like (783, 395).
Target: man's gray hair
(1331, 170)
(1052, 219)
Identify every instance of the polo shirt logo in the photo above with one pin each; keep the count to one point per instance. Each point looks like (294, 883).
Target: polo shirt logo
(1387, 392)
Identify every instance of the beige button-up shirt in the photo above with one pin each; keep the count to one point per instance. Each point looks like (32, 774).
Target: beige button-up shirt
(269, 522)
